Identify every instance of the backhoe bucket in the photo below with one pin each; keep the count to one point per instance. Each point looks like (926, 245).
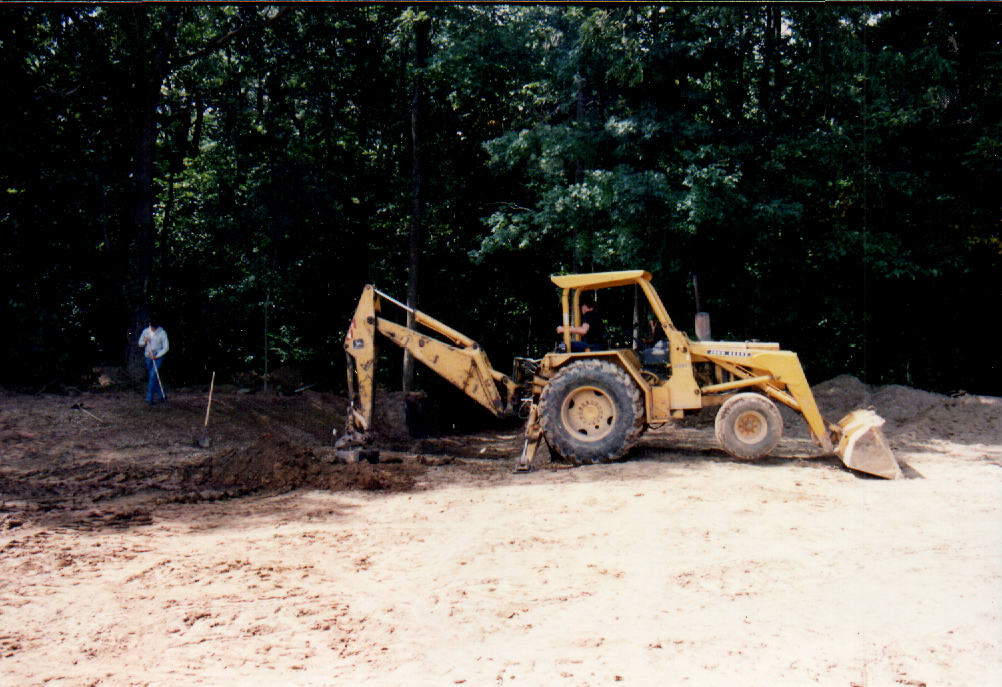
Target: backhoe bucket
(863, 447)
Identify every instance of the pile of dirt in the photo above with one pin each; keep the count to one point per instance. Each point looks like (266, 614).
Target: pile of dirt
(839, 395)
(274, 464)
(912, 415)
(966, 419)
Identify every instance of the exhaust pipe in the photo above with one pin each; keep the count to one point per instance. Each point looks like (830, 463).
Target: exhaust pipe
(703, 326)
(702, 318)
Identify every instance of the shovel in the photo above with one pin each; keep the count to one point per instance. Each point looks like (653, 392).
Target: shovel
(156, 371)
(204, 441)
(80, 406)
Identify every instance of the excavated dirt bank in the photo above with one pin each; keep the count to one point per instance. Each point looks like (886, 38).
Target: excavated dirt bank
(273, 463)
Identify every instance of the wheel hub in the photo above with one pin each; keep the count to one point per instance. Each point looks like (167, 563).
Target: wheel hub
(588, 413)
(751, 427)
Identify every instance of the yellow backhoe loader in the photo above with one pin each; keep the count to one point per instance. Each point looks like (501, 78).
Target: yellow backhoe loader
(592, 405)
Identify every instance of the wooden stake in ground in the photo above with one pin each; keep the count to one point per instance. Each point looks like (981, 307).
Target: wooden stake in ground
(79, 406)
(204, 441)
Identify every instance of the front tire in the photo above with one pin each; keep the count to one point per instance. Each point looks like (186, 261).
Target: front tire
(748, 426)
(591, 411)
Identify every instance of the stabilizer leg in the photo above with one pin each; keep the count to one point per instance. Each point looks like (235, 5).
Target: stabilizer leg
(533, 435)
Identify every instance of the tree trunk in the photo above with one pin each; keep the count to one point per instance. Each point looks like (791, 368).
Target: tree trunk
(149, 71)
(154, 39)
(770, 76)
(417, 162)
(579, 116)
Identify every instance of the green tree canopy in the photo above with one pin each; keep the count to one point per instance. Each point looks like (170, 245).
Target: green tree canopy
(828, 171)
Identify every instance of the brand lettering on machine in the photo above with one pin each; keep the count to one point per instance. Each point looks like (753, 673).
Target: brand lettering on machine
(738, 354)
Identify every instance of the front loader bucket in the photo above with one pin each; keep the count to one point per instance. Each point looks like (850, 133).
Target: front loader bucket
(863, 447)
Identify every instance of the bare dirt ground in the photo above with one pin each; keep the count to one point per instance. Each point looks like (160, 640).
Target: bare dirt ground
(131, 556)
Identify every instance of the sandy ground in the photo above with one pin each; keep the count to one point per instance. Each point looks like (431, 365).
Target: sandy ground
(130, 557)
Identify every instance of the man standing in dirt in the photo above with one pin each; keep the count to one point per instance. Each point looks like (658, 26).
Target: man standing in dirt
(154, 340)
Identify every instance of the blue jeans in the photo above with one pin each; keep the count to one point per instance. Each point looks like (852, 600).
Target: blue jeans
(153, 388)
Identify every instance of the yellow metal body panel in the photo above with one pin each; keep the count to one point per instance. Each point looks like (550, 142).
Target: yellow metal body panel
(466, 369)
(599, 280)
(659, 404)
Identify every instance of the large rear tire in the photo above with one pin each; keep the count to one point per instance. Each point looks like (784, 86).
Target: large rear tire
(748, 426)
(591, 411)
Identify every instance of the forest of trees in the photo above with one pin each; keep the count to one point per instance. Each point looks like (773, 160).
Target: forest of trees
(831, 173)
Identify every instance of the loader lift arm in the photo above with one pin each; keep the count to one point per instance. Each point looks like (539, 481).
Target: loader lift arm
(459, 359)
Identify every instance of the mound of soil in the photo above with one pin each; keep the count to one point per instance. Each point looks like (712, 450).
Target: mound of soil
(273, 463)
(913, 416)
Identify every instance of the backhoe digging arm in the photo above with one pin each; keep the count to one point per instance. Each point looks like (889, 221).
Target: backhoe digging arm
(461, 361)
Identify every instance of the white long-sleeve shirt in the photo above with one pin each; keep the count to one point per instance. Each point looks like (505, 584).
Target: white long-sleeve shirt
(155, 342)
